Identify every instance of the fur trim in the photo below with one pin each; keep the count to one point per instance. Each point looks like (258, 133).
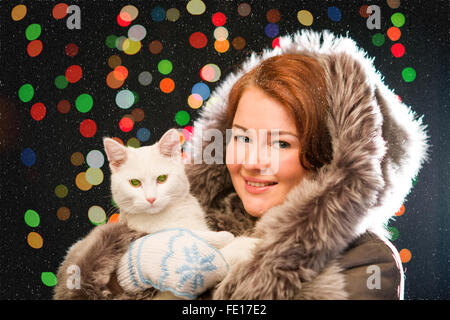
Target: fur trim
(378, 148)
(97, 256)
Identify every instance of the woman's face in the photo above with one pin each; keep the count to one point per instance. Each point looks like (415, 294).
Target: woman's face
(263, 152)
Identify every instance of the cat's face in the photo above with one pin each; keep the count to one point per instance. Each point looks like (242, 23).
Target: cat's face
(147, 179)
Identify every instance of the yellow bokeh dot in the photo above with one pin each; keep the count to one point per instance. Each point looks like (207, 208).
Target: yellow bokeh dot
(221, 33)
(305, 17)
(94, 176)
(131, 47)
(196, 7)
(35, 240)
(18, 12)
(81, 182)
(97, 215)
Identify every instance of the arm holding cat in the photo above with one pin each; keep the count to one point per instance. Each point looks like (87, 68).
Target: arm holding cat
(88, 269)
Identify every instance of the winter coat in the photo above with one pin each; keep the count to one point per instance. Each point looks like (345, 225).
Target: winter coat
(328, 239)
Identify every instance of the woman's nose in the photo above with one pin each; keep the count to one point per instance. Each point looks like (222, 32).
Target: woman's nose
(257, 158)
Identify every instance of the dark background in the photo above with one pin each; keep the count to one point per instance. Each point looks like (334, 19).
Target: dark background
(424, 228)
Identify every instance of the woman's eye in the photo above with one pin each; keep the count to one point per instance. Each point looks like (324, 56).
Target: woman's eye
(135, 183)
(282, 144)
(243, 139)
(162, 178)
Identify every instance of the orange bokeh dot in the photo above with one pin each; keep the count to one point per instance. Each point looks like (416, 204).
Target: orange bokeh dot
(405, 255)
(400, 211)
(167, 85)
(81, 182)
(222, 46)
(117, 139)
(120, 73)
(35, 240)
(394, 33)
(114, 218)
(60, 10)
(112, 81)
(34, 48)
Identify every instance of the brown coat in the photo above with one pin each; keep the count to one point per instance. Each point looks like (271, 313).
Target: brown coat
(327, 240)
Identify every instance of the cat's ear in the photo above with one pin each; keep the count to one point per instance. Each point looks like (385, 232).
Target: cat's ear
(116, 153)
(169, 144)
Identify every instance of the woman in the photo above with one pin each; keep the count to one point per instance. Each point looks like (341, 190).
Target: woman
(346, 152)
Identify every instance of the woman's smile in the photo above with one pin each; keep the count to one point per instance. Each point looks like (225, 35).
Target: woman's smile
(257, 186)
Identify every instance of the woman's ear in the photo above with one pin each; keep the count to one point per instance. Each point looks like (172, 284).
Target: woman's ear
(169, 144)
(116, 153)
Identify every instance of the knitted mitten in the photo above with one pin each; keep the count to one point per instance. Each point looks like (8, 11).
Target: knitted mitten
(175, 260)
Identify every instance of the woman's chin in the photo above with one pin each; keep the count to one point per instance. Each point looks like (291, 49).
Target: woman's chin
(255, 209)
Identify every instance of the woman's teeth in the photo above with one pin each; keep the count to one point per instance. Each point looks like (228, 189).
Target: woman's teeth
(257, 184)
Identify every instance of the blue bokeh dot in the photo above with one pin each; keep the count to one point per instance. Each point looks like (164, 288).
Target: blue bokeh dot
(201, 89)
(272, 30)
(143, 134)
(334, 14)
(158, 14)
(28, 157)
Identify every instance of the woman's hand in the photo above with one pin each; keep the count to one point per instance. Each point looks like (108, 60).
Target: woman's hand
(183, 262)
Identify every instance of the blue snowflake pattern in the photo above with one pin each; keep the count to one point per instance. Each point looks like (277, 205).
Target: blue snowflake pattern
(195, 267)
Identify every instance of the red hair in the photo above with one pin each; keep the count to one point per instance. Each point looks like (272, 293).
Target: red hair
(298, 83)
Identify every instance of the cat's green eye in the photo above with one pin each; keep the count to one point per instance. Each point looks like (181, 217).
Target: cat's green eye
(135, 183)
(162, 178)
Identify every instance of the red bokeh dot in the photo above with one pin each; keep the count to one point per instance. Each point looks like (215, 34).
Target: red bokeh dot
(126, 124)
(63, 106)
(34, 48)
(74, 73)
(276, 42)
(219, 19)
(124, 19)
(398, 50)
(363, 11)
(71, 49)
(60, 10)
(198, 40)
(88, 128)
(38, 111)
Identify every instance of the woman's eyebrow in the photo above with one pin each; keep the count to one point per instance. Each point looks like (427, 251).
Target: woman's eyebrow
(280, 132)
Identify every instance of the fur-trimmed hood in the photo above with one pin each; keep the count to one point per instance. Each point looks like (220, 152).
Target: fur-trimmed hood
(378, 143)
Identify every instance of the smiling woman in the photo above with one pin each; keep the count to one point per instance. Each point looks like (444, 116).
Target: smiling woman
(263, 178)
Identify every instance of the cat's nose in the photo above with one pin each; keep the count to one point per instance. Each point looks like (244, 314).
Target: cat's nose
(151, 200)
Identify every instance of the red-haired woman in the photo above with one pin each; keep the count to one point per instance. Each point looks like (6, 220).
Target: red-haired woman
(346, 152)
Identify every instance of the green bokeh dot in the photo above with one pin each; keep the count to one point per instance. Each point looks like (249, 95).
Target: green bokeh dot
(414, 181)
(61, 82)
(398, 19)
(182, 118)
(49, 279)
(378, 39)
(165, 67)
(393, 231)
(134, 143)
(26, 92)
(61, 191)
(84, 102)
(111, 41)
(33, 31)
(32, 218)
(409, 74)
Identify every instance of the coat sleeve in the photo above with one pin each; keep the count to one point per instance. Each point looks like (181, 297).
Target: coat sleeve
(372, 270)
(369, 269)
(88, 270)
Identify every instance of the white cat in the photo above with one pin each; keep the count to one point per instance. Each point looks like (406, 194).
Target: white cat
(151, 189)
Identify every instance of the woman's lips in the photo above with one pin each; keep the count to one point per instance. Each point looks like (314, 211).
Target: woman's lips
(256, 186)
